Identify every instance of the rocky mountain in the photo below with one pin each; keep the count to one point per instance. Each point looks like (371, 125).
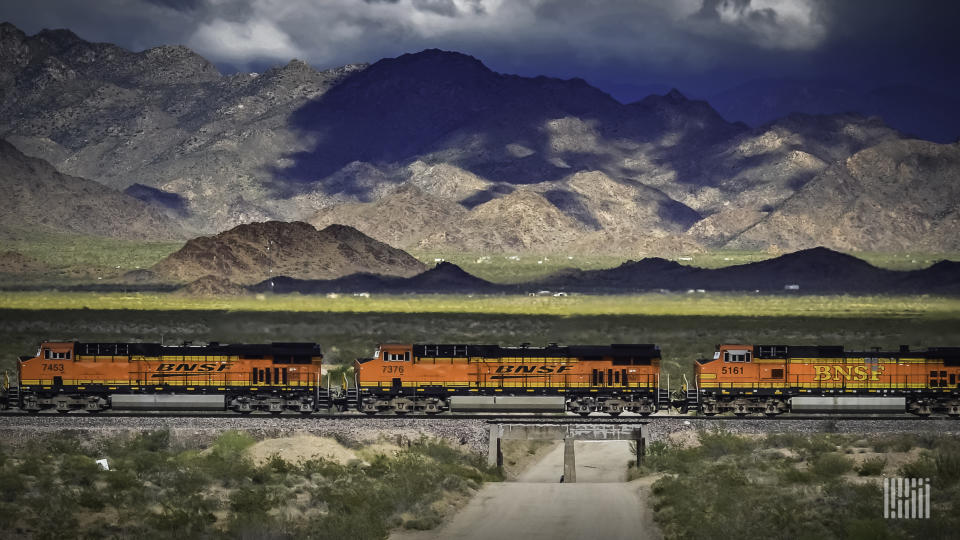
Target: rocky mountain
(251, 253)
(858, 193)
(163, 118)
(38, 196)
(433, 150)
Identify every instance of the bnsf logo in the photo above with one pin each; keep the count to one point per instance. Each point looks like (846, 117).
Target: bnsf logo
(171, 369)
(531, 369)
(846, 373)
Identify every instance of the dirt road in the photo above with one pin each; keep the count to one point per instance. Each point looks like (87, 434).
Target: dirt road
(599, 505)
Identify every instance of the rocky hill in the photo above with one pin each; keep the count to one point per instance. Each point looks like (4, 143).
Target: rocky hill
(14, 262)
(445, 278)
(813, 271)
(37, 195)
(434, 150)
(251, 253)
(816, 270)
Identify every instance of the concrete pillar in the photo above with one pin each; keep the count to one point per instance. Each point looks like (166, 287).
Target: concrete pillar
(494, 453)
(569, 461)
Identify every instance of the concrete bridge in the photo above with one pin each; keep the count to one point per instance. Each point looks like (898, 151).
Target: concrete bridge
(568, 432)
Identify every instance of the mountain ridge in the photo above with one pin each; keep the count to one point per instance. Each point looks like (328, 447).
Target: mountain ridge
(296, 144)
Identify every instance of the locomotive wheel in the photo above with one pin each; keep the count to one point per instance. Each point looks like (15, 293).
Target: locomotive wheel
(587, 413)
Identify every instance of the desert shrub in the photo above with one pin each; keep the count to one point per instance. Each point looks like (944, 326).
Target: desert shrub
(784, 440)
(78, 470)
(922, 467)
(904, 442)
(92, 498)
(12, 484)
(716, 444)
(947, 462)
(830, 465)
(872, 467)
(868, 529)
(278, 465)
(818, 444)
(792, 475)
(33, 464)
(189, 516)
(232, 444)
(252, 500)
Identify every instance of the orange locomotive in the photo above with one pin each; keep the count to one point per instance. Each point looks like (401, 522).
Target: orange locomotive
(775, 378)
(608, 378)
(70, 375)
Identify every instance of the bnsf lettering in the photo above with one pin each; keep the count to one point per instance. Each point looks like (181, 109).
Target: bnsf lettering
(846, 373)
(531, 369)
(192, 367)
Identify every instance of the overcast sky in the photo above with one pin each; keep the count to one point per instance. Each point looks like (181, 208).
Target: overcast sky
(699, 46)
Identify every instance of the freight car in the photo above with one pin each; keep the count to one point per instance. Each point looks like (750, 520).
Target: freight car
(773, 379)
(583, 379)
(70, 375)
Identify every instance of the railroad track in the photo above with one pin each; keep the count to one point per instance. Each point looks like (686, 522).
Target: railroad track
(502, 418)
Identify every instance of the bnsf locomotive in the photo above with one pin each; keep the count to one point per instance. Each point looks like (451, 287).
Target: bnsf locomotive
(430, 378)
(776, 378)
(609, 378)
(71, 375)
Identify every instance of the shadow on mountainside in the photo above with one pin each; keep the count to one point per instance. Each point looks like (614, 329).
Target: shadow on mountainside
(449, 107)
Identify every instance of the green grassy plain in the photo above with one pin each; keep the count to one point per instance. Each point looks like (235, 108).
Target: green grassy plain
(71, 258)
(651, 304)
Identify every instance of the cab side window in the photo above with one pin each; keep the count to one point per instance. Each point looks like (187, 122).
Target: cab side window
(736, 356)
(396, 357)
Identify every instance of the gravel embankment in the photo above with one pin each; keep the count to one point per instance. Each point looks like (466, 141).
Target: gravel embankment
(198, 431)
(658, 428)
(195, 431)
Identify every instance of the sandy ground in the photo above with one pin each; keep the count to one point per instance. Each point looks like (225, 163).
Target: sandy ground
(300, 448)
(599, 505)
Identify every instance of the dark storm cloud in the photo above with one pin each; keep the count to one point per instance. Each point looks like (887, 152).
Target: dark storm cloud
(441, 7)
(694, 43)
(179, 5)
